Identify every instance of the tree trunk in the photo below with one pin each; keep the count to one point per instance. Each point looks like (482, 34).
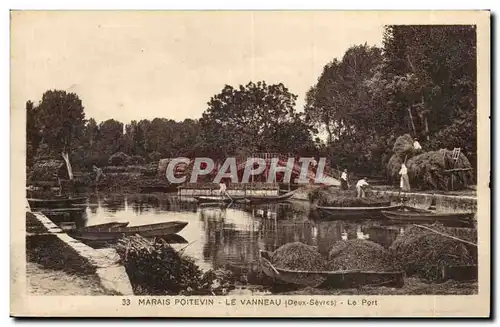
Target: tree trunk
(426, 127)
(424, 115)
(330, 138)
(411, 120)
(65, 156)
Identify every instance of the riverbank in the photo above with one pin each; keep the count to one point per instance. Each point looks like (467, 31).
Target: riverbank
(453, 201)
(43, 281)
(53, 257)
(412, 286)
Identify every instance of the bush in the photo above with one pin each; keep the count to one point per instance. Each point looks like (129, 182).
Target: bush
(155, 268)
(119, 159)
(137, 160)
(154, 156)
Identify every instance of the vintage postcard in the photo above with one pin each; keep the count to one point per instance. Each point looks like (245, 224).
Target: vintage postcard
(250, 163)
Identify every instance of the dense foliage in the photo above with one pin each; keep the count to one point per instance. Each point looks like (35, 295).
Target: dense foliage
(422, 82)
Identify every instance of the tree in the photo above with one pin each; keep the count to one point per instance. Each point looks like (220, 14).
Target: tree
(248, 119)
(61, 119)
(91, 131)
(110, 137)
(341, 104)
(439, 65)
(32, 132)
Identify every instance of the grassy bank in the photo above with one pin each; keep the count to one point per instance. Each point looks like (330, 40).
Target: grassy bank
(413, 286)
(53, 268)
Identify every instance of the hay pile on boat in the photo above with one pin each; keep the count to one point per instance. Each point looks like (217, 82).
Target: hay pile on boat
(155, 268)
(428, 170)
(298, 256)
(301, 257)
(423, 253)
(333, 197)
(358, 254)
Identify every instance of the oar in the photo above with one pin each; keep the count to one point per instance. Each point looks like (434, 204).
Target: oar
(227, 194)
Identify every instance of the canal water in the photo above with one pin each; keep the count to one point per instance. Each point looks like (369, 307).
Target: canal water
(229, 238)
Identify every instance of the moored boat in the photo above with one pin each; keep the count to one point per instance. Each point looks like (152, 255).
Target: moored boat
(428, 216)
(71, 226)
(113, 224)
(114, 233)
(217, 199)
(58, 202)
(55, 211)
(249, 199)
(358, 212)
(330, 279)
(269, 199)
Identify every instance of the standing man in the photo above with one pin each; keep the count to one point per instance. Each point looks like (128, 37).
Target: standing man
(417, 146)
(344, 184)
(405, 181)
(222, 188)
(360, 187)
(98, 173)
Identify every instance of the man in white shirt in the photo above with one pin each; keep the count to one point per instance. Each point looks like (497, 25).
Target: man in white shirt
(343, 180)
(222, 188)
(405, 181)
(417, 145)
(360, 187)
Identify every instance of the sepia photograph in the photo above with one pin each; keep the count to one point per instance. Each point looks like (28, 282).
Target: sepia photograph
(257, 161)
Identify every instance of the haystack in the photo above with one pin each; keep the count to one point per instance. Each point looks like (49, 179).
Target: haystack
(428, 170)
(334, 197)
(48, 170)
(119, 159)
(403, 147)
(298, 256)
(422, 252)
(181, 169)
(358, 254)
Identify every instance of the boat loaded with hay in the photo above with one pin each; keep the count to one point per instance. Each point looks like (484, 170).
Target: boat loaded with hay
(338, 204)
(435, 252)
(300, 264)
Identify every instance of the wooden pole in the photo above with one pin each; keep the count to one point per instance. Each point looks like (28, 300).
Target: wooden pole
(411, 120)
(446, 235)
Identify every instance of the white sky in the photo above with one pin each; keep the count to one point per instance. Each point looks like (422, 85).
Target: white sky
(135, 65)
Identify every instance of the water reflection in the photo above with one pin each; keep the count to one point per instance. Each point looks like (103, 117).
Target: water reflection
(228, 237)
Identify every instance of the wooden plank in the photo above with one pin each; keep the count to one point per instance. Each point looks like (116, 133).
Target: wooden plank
(457, 170)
